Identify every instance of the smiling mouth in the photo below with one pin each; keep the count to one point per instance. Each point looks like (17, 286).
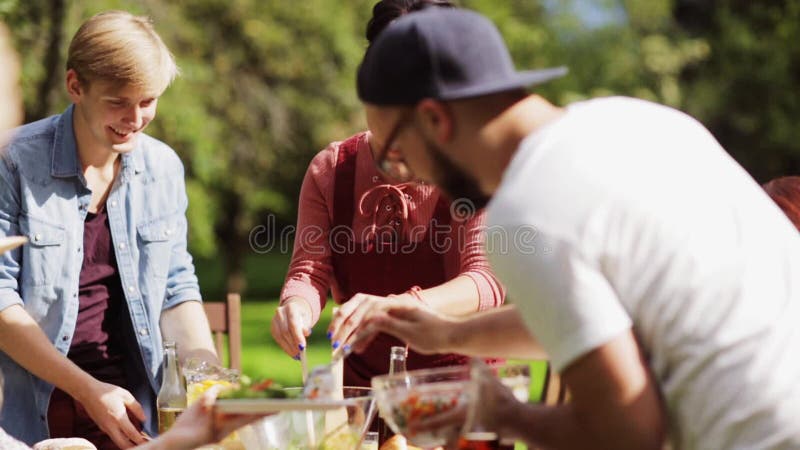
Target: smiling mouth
(122, 133)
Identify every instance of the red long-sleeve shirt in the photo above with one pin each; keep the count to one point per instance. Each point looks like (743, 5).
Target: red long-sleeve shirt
(311, 274)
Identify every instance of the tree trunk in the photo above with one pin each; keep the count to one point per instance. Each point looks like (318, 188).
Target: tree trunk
(52, 63)
(235, 245)
(235, 279)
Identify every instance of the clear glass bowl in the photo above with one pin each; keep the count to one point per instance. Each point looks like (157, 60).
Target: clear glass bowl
(419, 394)
(340, 429)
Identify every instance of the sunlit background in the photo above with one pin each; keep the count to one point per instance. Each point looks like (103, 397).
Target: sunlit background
(268, 83)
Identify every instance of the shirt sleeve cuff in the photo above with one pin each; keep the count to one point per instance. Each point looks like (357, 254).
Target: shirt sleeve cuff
(573, 347)
(307, 293)
(490, 292)
(181, 297)
(9, 298)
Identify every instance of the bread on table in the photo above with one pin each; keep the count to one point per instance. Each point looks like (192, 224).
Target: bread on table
(64, 444)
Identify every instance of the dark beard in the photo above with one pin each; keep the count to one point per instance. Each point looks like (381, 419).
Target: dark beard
(452, 180)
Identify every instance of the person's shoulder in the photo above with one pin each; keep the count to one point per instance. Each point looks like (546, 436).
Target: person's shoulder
(35, 137)
(627, 112)
(158, 157)
(28, 149)
(324, 162)
(615, 103)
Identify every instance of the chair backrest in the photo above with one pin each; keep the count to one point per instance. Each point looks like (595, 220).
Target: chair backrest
(225, 318)
(555, 391)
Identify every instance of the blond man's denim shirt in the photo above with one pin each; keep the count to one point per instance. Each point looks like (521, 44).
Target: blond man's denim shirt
(44, 196)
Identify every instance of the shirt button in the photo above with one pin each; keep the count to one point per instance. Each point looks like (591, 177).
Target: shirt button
(408, 197)
(375, 179)
(113, 203)
(388, 207)
(74, 295)
(122, 246)
(65, 338)
(37, 237)
(143, 331)
(131, 289)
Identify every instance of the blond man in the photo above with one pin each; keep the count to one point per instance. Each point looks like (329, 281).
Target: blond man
(106, 277)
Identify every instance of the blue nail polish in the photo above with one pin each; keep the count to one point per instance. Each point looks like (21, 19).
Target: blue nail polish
(336, 345)
(301, 347)
(330, 335)
(346, 347)
(297, 357)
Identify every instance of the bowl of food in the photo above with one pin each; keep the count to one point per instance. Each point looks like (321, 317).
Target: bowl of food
(407, 397)
(324, 424)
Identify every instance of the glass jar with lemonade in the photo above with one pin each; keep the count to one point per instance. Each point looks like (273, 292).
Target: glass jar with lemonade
(202, 376)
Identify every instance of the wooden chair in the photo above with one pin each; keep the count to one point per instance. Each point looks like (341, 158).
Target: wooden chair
(225, 318)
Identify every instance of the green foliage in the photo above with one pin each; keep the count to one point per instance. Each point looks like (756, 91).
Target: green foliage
(746, 92)
(267, 83)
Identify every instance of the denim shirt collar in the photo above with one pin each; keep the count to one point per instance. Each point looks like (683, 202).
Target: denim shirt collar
(65, 162)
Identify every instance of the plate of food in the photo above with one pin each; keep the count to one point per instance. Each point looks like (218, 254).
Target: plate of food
(264, 397)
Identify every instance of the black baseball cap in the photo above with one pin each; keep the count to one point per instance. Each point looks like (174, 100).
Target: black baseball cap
(441, 53)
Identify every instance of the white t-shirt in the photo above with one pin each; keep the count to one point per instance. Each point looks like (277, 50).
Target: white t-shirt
(624, 213)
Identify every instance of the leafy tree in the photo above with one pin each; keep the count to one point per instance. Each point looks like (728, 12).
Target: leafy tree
(267, 83)
(276, 83)
(746, 91)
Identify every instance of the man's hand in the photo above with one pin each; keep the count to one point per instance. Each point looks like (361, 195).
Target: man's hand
(347, 326)
(291, 325)
(423, 329)
(108, 406)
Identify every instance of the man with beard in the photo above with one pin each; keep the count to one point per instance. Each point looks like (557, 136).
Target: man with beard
(669, 304)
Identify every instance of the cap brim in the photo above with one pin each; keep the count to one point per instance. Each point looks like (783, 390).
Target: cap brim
(520, 80)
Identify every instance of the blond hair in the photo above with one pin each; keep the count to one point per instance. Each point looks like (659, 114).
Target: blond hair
(119, 47)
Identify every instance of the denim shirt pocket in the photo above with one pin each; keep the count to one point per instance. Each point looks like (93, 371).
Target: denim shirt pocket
(155, 247)
(43, 256)
(43, 268)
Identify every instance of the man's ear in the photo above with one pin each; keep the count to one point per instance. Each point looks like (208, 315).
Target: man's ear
(436, 118)
(75, 88)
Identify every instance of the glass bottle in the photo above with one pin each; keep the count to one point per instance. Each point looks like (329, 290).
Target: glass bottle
(397, 359)
(397, 364)
(171, 400)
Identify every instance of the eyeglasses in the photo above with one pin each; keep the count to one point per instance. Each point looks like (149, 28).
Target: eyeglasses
(395, 166)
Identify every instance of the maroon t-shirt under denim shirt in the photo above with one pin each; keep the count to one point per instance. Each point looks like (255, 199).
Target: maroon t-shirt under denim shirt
(101, 332)
(97, 344)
